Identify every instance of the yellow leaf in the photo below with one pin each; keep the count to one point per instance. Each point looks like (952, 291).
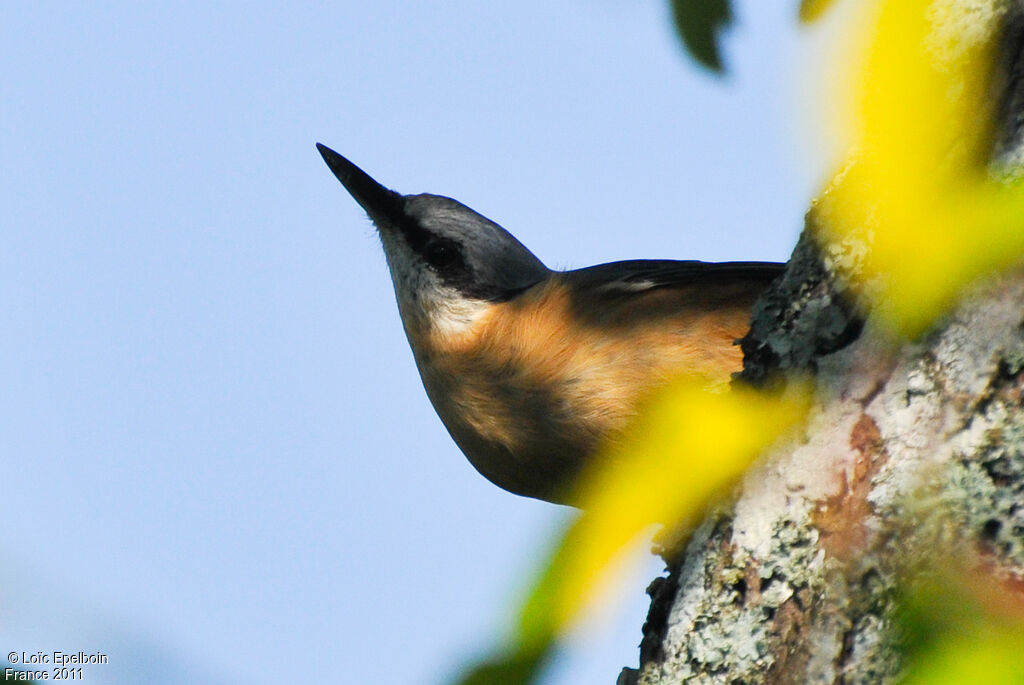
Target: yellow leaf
(990, 659)
(917, 190)
(811, 10)
(961, 625)
(688, 447)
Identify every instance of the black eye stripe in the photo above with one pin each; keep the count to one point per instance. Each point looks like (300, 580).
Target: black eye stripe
(456, 273)
(414, 234)
(442, 254)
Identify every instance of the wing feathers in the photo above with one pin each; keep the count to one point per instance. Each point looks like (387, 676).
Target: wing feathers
(641, 275)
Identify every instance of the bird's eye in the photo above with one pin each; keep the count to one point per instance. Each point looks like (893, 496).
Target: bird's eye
(442, 253)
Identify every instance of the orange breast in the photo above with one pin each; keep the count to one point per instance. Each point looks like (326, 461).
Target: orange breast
(533, 388)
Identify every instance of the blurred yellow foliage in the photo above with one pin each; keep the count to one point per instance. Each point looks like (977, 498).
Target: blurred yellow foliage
(919, 194)
(811, 10)
(689, 446)
(990, 657)
(962, 623)
(918, 190)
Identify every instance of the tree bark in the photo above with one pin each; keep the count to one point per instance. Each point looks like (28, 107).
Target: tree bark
(911, 447)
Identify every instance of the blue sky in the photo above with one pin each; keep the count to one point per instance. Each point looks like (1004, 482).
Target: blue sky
(219, 460)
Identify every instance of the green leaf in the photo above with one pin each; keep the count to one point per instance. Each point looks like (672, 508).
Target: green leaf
(951, 637)
(699, 24)
(521, 667)
(811, 10)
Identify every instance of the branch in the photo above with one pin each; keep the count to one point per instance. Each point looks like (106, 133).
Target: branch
(912, 447)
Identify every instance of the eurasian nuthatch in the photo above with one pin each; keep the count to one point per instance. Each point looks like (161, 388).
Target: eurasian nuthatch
(530, 369)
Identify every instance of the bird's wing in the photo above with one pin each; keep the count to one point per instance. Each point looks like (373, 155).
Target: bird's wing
(643, 275)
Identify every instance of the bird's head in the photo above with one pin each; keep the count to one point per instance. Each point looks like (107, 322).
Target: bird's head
(448, 263)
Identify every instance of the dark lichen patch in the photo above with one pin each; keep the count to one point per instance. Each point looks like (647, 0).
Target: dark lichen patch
(985, 484)
(662, 591)
(866, 644)
(1012, 364)
(740, 588)
(803, 315)
(628, 676)
(990, 531)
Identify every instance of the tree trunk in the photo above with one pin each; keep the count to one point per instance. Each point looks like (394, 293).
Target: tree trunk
(910, 447)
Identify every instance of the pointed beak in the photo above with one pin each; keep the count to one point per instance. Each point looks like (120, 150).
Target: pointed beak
(378, 201)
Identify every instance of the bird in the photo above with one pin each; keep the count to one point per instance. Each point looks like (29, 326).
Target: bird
(533, 371)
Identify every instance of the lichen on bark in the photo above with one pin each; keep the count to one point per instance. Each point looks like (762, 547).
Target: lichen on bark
(910, 448)
(913, 449)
